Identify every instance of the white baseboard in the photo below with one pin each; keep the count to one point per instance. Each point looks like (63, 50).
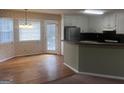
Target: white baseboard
(5, 59)
(102, 75)
(27, 55)
(95, 74)
(75, 70)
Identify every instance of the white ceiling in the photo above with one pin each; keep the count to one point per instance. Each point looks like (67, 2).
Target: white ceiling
(54, 11)
(62, 11)
(57, 11)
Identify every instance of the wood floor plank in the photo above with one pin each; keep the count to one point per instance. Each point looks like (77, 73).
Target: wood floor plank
(34, 69)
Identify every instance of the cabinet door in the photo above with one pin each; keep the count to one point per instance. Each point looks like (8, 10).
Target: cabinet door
(120, 23)
(109, 21)
(112, 19)
(95, 24)
(105, 22)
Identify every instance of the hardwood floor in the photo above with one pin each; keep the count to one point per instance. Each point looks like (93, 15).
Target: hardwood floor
(86, 79)
(46, 69)
(34, 69)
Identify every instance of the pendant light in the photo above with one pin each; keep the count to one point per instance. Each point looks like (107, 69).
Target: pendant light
(26, 24)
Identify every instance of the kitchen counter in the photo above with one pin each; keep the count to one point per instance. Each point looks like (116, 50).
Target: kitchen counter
(95, 43)
(106, 59)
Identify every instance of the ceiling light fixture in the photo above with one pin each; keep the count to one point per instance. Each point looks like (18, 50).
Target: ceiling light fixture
(25, 24)
(97, 12)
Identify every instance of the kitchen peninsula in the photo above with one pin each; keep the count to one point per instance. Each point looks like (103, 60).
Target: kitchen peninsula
(97, 58)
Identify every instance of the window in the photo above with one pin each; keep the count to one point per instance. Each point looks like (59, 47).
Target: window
(51, 36)
(27, 34)
(6, 30)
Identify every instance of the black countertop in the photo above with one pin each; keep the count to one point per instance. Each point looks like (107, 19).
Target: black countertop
(95, 43)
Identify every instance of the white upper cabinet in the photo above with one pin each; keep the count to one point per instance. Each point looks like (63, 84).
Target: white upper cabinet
(76, 20)
(120, 23)
(113, 20)
(105, 21)
(97, 23)
(100, 23)
(109, 21)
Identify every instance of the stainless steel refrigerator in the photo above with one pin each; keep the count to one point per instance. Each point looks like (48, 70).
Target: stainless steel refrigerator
(71, 33)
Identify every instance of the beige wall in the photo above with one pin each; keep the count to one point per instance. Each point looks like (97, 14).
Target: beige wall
(31, 47)
(6, 51)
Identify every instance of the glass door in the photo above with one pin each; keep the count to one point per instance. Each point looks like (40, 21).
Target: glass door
(51, 37)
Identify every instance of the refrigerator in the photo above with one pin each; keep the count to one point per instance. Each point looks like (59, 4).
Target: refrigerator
(71, 33)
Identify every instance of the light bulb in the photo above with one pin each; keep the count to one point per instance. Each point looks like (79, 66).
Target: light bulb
(25, 26)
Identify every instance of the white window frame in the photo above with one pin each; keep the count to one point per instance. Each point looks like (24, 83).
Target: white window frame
(12, 34)
(29, 40)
